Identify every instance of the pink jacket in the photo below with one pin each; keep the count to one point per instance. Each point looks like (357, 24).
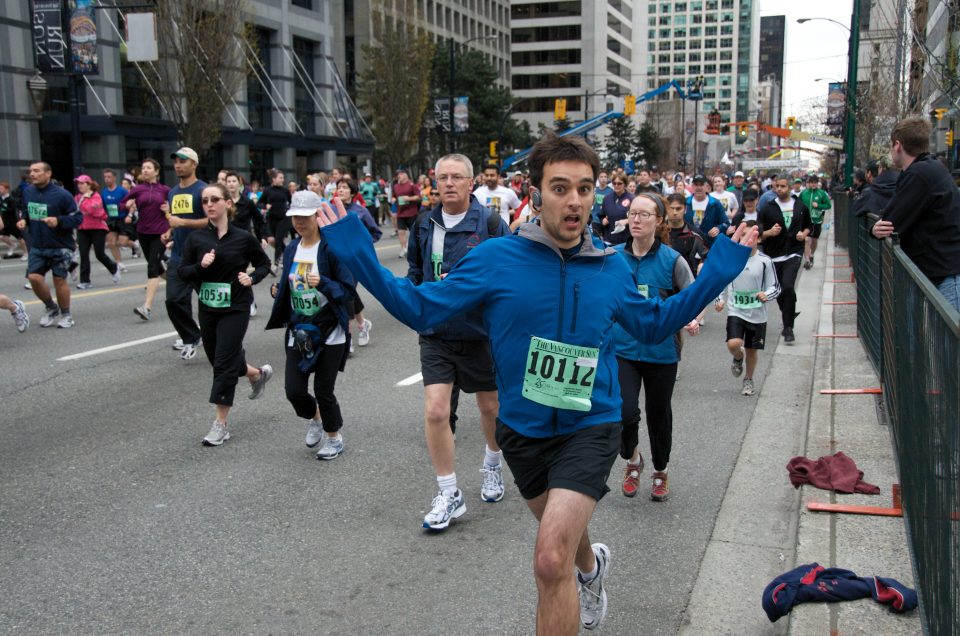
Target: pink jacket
(94, 215)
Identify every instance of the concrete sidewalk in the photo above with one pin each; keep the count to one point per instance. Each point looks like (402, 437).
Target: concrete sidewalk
(763, 528)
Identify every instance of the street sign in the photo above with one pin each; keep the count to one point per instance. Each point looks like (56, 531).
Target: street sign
(763, 164)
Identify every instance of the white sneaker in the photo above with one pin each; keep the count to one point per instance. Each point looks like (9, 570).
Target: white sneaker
(143, 311)
(314, 433)
(121, 268)
(332, 447)
(593, 598)
(20, 316)
(257, 387)
(66, 321)
(491, 490)
(218, 434)
(363, 336)
(253, 309)
(117, 275)
(189, 351)
(24, 258)
(444, 509)
(49, 317)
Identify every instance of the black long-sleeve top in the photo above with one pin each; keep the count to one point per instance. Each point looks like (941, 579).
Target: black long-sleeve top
(248, 216)
(233, 252)
(278, 198)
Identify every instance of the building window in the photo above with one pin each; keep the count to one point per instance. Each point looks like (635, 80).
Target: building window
(258, 100)
(710, 69)
(545, 105)
(546, 57)
(553, 80)
(306, 4)
(304, 107)
(726, 43)
(546, 34)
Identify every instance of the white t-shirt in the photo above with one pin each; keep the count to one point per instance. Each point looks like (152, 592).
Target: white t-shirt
(729, 202)
(436, 256)
(305, 298)
(699, 207)
(500, 199)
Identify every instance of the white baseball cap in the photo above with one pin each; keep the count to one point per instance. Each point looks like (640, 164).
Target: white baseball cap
(304, 203)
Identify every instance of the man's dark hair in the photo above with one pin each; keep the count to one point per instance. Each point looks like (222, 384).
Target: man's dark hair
(677, 198)
(913, 134)
(552, 149)
(491, 166)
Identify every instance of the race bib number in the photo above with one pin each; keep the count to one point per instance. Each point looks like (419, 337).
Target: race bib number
(598, 199)
(644, 290)
(436, 260)
(787, 218)
(182, 204)
(215, 295)
(306, 301)
(112, 210)
(816, 216)
(746, 300)
(559, 375)
(37, 211)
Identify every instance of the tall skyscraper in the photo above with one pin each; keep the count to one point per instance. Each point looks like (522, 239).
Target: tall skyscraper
(773, 44)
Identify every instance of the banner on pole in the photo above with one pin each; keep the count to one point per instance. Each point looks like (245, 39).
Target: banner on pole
(142, 37)
(441, 114)
(49, 46)
(461, 114)
(83, 38)
(836, 108)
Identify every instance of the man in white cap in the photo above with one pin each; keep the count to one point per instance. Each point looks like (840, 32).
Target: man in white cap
(185, 214)
(737, 187)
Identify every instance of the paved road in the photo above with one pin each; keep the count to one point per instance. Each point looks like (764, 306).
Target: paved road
(114, 518)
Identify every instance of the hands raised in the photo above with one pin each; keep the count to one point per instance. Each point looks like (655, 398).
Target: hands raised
(330, 215)
(746, 236)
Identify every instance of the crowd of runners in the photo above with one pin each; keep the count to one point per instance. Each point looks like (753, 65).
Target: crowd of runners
(554, 296)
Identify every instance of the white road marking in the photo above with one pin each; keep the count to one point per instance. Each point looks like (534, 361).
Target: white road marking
(413, 379)
(123, 345)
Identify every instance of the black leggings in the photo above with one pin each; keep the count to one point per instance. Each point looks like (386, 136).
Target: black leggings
(787, 272)
(97, 238)
(222, 335)
(324, 377)
(280, 228)
(658, 381)
(153, 251)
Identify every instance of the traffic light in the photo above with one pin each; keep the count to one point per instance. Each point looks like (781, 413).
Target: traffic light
(629, 105)
(493, 149)
(949, 138)
(938, 113)
(791, 123)
(560, 108)
(743, 130)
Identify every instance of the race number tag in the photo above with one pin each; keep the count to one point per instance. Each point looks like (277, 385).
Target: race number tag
(112, 210)
(436, 259)
(305, 301)
(559, 375)
(37, 211)
(787, 218)
(215, 295)
(182, 204)
(746, 300)
(644, 290)
(598, 199)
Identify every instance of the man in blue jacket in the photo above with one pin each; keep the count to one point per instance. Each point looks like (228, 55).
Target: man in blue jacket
(704, 213)
(549, 299)
(52, 215)
(455, 355)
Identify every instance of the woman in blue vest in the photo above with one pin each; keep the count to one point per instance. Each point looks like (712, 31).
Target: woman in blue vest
(658, 271)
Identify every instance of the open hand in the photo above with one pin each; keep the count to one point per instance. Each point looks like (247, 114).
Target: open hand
(330, 215)
(747, 236)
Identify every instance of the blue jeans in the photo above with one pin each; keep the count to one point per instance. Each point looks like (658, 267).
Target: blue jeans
(44, 259)
(950, 288)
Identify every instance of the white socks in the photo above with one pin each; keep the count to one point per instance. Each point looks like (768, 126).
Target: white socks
(447, 483)
(492, 458)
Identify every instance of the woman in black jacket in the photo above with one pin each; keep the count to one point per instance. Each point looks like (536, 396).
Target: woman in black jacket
(275, 201)
(215, 261)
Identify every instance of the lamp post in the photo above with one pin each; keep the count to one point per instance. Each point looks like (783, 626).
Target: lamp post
(453, 79)
(853, 52)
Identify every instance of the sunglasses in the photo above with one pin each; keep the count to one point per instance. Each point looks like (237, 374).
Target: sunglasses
(214, 199)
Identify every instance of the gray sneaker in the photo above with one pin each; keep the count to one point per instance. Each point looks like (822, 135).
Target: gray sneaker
(593, 598)
(736, 367)
(332, 447)
(143, 311)
(20, 316)
(218, 434)
(747, 387)
(189, 351)
(66, 321)
(50, 317)
(491, 490)
(257, 387)
(314, 433)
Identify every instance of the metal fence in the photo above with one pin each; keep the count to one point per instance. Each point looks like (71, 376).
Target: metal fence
(912, 336)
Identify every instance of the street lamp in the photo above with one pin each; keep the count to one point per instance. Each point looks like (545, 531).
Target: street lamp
(453, 78)
(853, 51)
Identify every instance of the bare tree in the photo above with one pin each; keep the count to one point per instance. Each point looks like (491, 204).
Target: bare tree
(200, 67)
(394, 86)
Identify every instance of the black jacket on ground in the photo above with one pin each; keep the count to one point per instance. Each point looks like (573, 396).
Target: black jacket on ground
(233, 253)
(875, 197)
(786, 242)
(925, 212)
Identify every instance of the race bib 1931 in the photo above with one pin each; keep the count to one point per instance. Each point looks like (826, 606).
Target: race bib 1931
(182, 204)
(746, 299)
(559, 375)
(215, 295)
(37, 211)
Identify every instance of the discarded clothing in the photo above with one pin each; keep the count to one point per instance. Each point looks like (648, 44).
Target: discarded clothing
(831, 472)
(812, 582)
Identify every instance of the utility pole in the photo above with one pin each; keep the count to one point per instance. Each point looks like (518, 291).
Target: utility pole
(453, 78)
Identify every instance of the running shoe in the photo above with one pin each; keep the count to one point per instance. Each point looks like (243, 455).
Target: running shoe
(314, 433)
(253, 309)
(444, 509)
(49, 317)
(143, 311)
(121, 268)
(736, 367)
(218, 434)
(66, 321)
(24, 258)
(788, 335)
(661, 487)
(84, 285)
(20, 316)
(747, 387)
(593, 597)
(631, 478)
(363, 337)
(807, 264)
(332, 447)
(27, 285)
(116, 276)
(189, 351)
(257, 387)
(177, 345)
(491, 490)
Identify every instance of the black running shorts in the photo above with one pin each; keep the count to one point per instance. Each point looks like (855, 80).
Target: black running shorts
(753, 335)
(466, 363)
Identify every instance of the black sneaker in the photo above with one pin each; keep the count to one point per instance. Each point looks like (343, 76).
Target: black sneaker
(787, 334)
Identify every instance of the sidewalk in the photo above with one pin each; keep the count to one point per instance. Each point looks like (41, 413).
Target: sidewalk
(763, 528)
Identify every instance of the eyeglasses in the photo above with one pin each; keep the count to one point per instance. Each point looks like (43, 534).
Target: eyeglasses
(206, 200)
(641, 215)
(618, 183)
(455, 178)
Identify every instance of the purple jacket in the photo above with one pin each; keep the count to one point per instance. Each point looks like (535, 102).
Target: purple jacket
(149, 198)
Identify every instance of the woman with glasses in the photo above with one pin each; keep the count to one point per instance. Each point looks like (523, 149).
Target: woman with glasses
(215, 262)
(659, 272)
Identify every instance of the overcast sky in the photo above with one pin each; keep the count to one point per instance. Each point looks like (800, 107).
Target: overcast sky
(814, 49)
